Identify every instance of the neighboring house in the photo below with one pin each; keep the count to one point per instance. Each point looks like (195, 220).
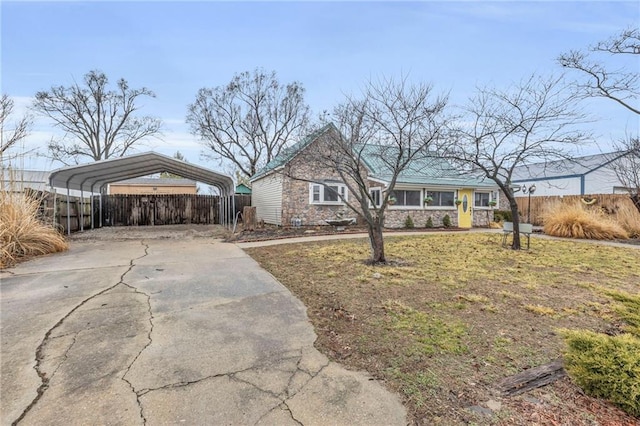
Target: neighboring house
(242, 189)
(149, 186)
(280, 199)
(592, 174)
(18, 180)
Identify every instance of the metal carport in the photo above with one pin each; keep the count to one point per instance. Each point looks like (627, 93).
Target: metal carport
(96, 176)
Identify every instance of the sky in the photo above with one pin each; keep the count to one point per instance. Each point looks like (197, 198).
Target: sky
(332, 48)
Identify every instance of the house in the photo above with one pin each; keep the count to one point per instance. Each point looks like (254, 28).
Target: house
(17, 180)
(591, 174)
(149, 186)
(242, 189)
(281, 199)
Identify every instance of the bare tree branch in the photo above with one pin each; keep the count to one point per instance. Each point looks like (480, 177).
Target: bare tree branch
(250, 120)
(11, 132)
(533, 121)
(626, 165)
(98, 123)
(620, 86)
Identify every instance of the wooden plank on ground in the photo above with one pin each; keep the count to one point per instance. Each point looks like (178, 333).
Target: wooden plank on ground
(532, 378)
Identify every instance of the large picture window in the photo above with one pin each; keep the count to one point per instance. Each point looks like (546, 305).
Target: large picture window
(442, 198)
(331, 193)
(407, 198)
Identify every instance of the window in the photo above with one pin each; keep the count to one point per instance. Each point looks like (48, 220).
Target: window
(376, 196)
(442, 198)
(407, 198)
(482, 199)
(331, 193)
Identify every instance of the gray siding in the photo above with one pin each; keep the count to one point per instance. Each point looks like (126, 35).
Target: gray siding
(266, 197)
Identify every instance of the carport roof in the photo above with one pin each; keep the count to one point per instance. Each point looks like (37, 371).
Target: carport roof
(91, 177)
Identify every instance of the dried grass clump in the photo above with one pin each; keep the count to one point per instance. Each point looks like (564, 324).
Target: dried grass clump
(573, 220)
(625, 213)
(22, 233)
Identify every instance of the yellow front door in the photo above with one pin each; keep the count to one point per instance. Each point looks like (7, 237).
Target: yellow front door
(465, 208)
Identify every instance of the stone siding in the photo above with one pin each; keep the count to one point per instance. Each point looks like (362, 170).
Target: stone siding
(395, 218)
(295, 203)
(482, 217)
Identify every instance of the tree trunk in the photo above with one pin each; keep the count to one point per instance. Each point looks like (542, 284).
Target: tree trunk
(516, 223)
(376, 241)
(249, 218)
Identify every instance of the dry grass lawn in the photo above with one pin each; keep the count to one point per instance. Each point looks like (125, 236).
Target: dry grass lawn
(454, 314)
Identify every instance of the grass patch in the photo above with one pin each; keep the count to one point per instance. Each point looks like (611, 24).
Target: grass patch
(449, 319)
(432, 335)
(540, 310)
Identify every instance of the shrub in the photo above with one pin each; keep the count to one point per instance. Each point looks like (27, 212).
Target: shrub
(408, 222)
(446, 221)
(502, 216)
(605, 366)
(429, 223)
(628, 309)
(575, 221)
(21, 231)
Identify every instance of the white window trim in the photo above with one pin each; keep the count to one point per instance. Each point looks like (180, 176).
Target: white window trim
(341, 188)
(376, 188)
(482, 207)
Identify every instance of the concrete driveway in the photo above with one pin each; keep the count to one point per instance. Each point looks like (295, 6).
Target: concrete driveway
(168, 331)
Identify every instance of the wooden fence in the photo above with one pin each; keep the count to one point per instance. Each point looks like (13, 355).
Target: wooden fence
(133, 210)
(539, 204)
(170, 209)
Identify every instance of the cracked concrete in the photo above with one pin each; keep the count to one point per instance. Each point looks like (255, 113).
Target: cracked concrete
(168, 332)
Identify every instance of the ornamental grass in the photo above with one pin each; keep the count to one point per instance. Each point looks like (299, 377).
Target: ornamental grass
(22, 232)
(574, 220)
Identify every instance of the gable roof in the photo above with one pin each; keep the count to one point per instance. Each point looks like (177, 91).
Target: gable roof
(161, 181)
(90, 177)
(287, 154)
(243, 189)
(573, 167)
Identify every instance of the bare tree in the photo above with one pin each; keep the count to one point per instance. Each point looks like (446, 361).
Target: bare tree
(530, 122)
(11, 132)
(250, 120)
(98, 123)
(391, 124)
(619, 85)
(626, 165)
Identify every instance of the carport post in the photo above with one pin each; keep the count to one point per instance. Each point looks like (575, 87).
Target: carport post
(81, 219)
(55, 194)
(91, 209)
(233, 210)
(68, 214)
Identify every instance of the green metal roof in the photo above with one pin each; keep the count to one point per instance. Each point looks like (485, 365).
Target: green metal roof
(243, 189)
(428, 169)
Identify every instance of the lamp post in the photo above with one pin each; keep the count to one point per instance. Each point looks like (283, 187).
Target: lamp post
(530, 190)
